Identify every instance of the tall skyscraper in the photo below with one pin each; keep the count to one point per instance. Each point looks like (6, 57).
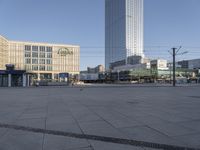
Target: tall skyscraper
(123, 31)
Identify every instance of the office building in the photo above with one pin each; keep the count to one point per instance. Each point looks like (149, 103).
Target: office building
(123, 31)
(42, 60)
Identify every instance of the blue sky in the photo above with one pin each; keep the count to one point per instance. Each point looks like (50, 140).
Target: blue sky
(168, 23)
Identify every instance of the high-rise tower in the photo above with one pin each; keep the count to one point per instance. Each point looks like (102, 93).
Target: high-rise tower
(123, 31)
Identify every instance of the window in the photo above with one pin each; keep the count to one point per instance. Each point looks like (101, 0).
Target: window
(49, 55)
(49, 68)
(27, 54)
(42, 48)
(49, 49)
(34, 54)
(34, 67)
(55, 76)
(34, 61)
(42, 61)
(28, 67)
(35, 48)
(28, 61)
(27, 48)
(42, 55)
(42, 68)
(48, 61)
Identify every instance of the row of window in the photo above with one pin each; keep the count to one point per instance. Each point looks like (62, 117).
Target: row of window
(36, 48)
(40, 61)
(36, 54)
(42, 68)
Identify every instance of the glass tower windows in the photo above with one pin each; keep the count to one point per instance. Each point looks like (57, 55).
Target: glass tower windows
(34, 54)
(42, 55)
(49, 49)
(35, 48)
(42, 68)
(34, 61)
(28, 61)
(49, 55)
(34, 67)
(27, 54)
(27, 48)
(42, 48)
(42, 61)
(49, 61)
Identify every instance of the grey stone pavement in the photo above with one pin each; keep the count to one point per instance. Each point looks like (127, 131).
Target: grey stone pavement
(162, 115)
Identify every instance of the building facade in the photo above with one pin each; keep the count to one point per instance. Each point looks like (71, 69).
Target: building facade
(159, 64)
(42, 60)
(190, 64)
(97, 69)
(123, 31)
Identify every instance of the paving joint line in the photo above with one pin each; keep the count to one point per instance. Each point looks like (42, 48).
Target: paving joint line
(97, 138)
(78, 124)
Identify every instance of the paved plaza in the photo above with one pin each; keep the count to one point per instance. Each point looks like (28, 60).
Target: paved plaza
(100, 118)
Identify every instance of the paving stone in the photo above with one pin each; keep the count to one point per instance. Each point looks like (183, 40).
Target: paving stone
(65, 126)
(192, 124)
(34, 123)
(116, 119)
(171, 129)
(110, 146)
(147, 134)
(101, 128)
(20, 140)
(162, 115)
(52, 142)
(192, 140)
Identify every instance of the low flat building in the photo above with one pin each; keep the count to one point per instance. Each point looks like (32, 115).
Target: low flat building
(159, 64)
(131, 67)
(97, 69)
(190, 64)
(13, 78)
(44, 61)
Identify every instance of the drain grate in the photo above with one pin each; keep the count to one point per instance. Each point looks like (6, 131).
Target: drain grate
(97, 138)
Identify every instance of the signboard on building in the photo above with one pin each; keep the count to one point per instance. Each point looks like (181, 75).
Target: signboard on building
(65, 51)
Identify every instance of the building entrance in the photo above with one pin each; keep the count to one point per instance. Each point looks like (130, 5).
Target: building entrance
(3, 80)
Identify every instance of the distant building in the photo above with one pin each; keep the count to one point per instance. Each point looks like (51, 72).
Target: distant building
(92, 74)
(159, 64)
(89, 76)
(123, 32)
(42, 60)
(131, 67)
(131, 60)
(190, 64)
(97, 69)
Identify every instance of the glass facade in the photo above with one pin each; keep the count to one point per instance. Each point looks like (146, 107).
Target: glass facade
(123, 30)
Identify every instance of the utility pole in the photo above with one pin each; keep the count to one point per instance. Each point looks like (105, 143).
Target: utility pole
(170, 69)
(174, 54)
(174, 66)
